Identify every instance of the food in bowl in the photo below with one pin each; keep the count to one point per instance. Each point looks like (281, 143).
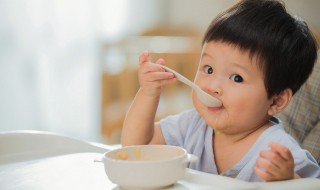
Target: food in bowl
(146, 166)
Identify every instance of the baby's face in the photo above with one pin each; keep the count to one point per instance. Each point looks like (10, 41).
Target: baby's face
(234, 77)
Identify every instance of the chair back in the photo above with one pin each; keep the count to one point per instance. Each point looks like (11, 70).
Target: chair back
(27, 145)
(301, 118)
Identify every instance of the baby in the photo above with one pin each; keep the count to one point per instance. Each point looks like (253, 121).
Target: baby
(254, 57)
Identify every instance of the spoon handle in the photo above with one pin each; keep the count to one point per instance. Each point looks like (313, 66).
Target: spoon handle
(204, 97)
(180, 77)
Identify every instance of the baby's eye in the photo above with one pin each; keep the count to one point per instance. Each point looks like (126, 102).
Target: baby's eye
(208, 69)
(236, 78)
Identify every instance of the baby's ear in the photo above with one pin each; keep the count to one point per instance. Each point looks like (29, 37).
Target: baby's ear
(280, 102)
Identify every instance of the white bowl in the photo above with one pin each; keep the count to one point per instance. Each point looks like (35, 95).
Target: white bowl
(146, 166)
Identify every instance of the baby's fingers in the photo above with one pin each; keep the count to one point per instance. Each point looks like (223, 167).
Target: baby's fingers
(144, 57)
(263, 174)
(273, 157)
(268, 166)
(161, 77)
(283, 151)
(275, 164)
(268, 171)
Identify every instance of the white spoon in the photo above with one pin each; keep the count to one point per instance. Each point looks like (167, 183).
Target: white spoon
(204, 97)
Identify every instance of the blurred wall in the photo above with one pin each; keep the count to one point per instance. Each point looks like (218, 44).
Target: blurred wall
(199, 14)
(49, 60)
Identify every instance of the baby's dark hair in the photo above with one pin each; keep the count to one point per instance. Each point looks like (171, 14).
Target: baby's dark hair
(285, 48)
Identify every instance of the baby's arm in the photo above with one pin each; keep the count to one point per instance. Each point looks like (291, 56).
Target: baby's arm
(276, 164)
(138, 127)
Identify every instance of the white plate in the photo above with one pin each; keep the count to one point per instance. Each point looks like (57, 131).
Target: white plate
(204, 181)
(195, 180)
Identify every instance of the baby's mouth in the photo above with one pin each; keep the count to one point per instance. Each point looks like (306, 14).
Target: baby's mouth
(216, 108)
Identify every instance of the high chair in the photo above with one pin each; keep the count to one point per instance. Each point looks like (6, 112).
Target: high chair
(18, 146)
(301, 118)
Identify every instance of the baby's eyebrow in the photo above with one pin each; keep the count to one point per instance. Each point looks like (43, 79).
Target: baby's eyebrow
(204, 54)
(240, 67)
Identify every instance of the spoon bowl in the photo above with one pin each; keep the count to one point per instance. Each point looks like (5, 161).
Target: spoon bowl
(204, 97)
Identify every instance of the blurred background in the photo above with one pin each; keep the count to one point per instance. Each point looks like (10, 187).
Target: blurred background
(71, 66)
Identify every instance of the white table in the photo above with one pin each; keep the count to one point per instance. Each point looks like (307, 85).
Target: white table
(78, 171)
(73, 171)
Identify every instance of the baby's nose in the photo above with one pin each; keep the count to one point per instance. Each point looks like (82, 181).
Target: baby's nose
(214, 87)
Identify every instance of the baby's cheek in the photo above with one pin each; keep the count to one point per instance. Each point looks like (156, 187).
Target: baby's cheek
(195, 99)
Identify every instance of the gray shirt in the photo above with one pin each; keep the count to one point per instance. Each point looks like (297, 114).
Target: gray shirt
(189, 130)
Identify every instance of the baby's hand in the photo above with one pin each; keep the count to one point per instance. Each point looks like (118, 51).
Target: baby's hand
(152, 77)
(275, 164)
